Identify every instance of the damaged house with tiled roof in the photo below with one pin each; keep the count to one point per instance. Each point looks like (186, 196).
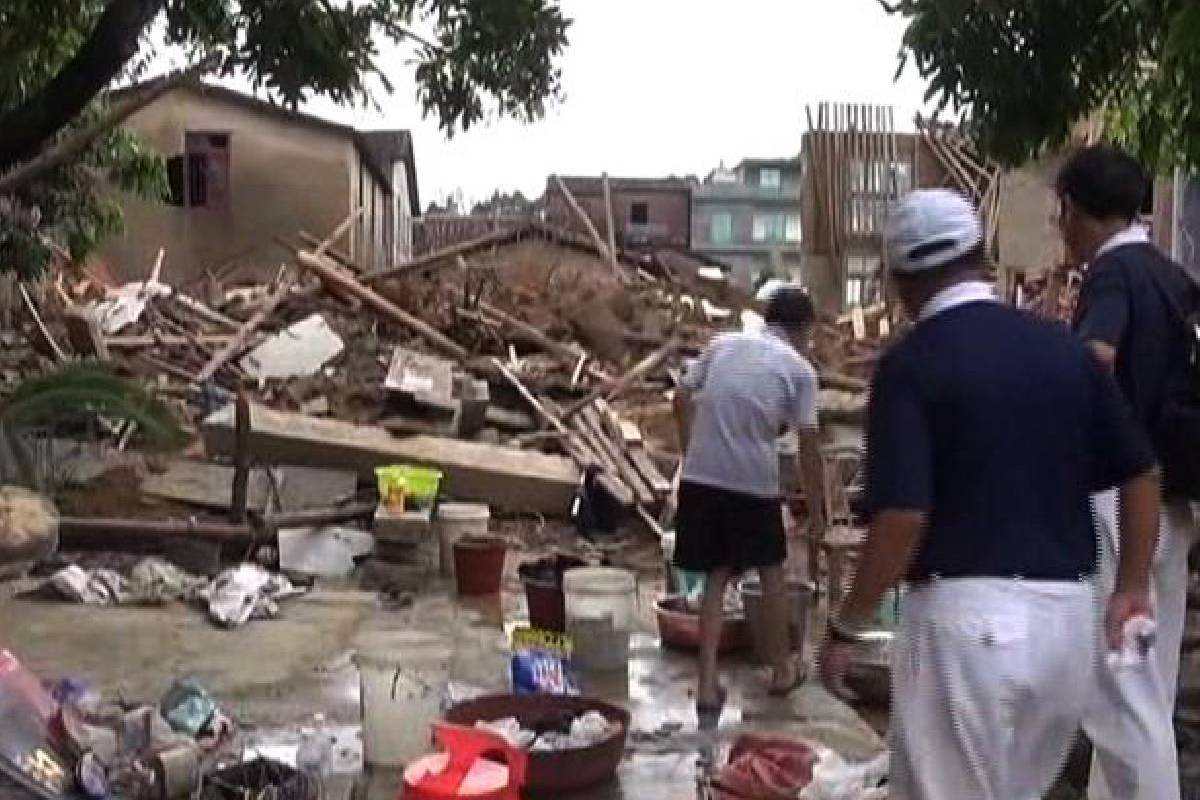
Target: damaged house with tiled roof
(244, 172)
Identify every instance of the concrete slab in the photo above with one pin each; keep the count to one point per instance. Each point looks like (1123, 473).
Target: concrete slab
(206, 485)
(502, 477)
(421, 380)
(267, 671)
(303, 488)
(294, 352)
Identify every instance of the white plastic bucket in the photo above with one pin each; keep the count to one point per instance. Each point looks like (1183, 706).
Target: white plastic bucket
(454, 521)
(403, 676)
(600, 611)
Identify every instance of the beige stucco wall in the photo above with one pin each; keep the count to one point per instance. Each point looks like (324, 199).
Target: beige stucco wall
(1029, 240)
(284, 176)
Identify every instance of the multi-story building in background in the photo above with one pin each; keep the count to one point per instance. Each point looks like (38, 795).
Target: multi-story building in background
(647, 212)
(750, 218)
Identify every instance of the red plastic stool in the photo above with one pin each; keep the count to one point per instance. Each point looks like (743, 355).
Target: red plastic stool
(461, 771)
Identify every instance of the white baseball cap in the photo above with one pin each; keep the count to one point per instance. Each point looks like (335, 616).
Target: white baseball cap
(769, 288)
(929, 228)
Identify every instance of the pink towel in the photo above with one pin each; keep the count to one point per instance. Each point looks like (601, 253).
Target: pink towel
(765, 768)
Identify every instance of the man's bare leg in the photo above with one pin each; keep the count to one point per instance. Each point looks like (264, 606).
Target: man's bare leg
(708, 691)
(777, 627)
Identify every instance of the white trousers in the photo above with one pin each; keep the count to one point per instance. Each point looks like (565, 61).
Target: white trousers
(987, 694)
(1130, 722)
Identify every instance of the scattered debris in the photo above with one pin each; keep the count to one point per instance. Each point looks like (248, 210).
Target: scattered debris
(232, 598)
(295, 352)
(500, 476)
(328, 552)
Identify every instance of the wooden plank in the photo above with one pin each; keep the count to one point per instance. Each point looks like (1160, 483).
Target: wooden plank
(83, 332)
(642, 461)
(337, 255)
(630, 432)
(634, 449)
(205, 485)
(42, 340)
(338, 232)
(241, 457)
(330, 274)
(576, 446)
(612, 234)
(242, 338)
(639, 371)
(568, 354)
(509, 420)
(583, 217)
(446, 254)
(157, 364)
(599, 455)
(589, 419)
(136, 342)
(204, 312)
(316, 517)
(503, 477)
(111, 533)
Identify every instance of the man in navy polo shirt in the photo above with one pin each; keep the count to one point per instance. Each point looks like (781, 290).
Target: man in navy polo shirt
(1130, 314)
(987, 431)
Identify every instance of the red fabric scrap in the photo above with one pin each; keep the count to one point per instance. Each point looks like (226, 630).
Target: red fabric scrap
(765, 768)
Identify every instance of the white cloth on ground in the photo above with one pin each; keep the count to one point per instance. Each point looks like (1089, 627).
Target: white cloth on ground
(986, 691)
(1130, 723)
(234, 597)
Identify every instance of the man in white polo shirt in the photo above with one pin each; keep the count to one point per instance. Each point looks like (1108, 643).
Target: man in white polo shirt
(744, 390)
(987, 432)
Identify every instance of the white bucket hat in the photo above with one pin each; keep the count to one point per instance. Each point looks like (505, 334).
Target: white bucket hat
(929, 228)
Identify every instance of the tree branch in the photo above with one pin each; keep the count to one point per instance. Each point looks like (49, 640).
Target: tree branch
(73, 146)
(99, 60)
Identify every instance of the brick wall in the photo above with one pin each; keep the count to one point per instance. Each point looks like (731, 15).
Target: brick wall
(668, 214)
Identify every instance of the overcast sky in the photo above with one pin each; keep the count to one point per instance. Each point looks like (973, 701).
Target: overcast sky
(659, 87)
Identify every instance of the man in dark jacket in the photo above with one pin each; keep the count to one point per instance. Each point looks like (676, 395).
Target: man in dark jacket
(1130, 314)
(987, 432)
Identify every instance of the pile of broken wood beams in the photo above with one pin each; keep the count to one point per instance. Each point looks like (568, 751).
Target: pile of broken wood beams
(975, 176)
(465, 305)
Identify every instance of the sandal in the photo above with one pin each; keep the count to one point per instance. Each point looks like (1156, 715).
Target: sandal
(799, 675)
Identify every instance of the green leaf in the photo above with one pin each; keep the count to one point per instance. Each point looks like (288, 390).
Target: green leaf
(78, 390)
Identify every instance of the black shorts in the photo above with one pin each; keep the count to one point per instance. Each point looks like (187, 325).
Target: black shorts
(720, 528)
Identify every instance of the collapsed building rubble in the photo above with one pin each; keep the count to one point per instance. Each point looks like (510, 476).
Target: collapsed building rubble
(521, 366)
(526, 339)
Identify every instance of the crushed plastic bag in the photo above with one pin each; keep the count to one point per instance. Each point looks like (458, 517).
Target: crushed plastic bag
(589, 729)
(188, 707)
(834, 778)
(246, 592)
(509, 729)
(541, 663)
